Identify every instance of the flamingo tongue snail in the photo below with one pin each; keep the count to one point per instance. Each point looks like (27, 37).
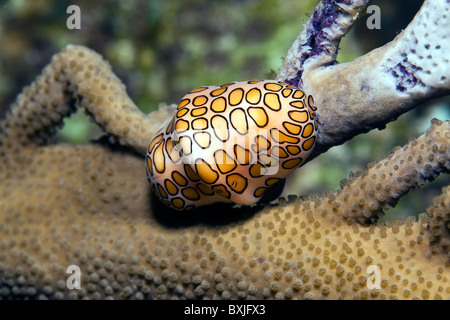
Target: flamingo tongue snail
(229, 143)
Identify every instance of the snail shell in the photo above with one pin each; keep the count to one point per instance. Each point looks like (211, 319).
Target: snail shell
(229, 143)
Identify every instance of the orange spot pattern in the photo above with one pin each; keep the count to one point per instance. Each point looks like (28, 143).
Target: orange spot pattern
(229, 143)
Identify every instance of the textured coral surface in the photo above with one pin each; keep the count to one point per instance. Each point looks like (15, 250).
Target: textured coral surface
(91, 206)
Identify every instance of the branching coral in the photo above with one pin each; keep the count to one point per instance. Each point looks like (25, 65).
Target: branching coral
(406, 168)
(90, 205)
(376, 88)
(79, 75)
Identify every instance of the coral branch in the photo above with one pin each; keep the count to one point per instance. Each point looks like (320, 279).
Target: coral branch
(370, 193)
(78, 74)
(318, 43)
(376, 88)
